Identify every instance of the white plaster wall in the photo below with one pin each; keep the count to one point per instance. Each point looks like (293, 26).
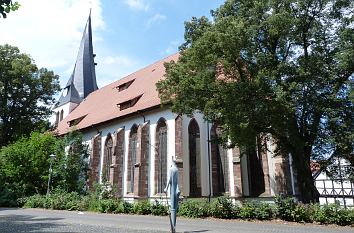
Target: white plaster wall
(271, 165)
(204, 163)
(231, 173)
(67, 108)
(127, 124)
(244, 176)
(153, 117)
(323, 182)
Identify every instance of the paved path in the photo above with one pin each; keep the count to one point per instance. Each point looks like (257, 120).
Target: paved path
(38, 220)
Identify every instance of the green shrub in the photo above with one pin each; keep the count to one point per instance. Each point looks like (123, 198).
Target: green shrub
(334, 214)
(92, 203)
(109, 206)
(303, 213)
(256, 210)
(35, 201)
(345, 217)
(326, 214)
(194, 209)
(222, 207)
(142, 207)
(127, 207)
(264, 211)
(10, 194)
(285, 207)
(248, 210)
(159, 209)
(60, 200)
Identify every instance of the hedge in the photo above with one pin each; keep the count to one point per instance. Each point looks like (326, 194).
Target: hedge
(222, 207)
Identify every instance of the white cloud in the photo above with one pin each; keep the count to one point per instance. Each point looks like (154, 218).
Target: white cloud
(171, 48)
(118, 60)
(115, 67)
(156, 18)
(138, 5)
(51, 35)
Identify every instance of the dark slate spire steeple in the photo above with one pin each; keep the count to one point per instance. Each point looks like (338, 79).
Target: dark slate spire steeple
(83, 79)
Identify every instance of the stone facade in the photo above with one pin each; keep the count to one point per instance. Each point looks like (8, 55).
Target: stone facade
(94, 161)
(234, 172)
(282, 175)
(236, 165)
(142, 162)
(118, 157)
(179, 150)
(160, 156)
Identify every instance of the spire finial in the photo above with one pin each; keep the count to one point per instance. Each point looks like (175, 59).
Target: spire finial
(90, 3)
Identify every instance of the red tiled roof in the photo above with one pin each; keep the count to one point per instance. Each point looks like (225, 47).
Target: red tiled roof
(102, 105)
(314, 166)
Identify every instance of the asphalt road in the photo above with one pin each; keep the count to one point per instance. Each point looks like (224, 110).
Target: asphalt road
(38, 220)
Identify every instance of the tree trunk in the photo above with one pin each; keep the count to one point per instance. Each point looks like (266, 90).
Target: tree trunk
(305, 182)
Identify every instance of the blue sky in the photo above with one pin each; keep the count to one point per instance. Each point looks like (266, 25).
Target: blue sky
(127, 34)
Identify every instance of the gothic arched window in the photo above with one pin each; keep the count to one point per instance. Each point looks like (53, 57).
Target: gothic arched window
(161, 156)
(108, 152)
(133, 139)
(194, 159)
(61, 115)
(219, 160)
(57, 119)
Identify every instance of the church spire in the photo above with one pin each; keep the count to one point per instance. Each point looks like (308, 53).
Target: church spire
(83, 78)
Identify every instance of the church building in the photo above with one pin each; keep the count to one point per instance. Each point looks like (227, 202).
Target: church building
(132, 139)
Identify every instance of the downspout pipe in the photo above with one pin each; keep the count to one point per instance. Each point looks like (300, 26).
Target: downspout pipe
(209, 162)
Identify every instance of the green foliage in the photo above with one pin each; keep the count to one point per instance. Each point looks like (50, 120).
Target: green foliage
(127, 207)
(159, 209)
(70, 169)
(25, 164)
(222, 207)
(285, 66)
(329, 214)
(194, 209)
(110, 206)
(35, 201)
(303, 213)
(6, 6)
(285, 207)
(256, 210)
(26, 95)
(9, 193)
(142, 207)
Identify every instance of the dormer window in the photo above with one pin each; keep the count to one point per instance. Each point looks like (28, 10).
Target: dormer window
(128, 104)
(65, 91)
(125, 85)
(76, 121)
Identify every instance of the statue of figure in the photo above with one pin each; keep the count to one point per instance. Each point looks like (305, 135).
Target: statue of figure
(174, 193)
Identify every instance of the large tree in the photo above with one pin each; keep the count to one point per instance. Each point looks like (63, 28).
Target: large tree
(279, 67)
(26, 94)
(6, 6)
(24, 165)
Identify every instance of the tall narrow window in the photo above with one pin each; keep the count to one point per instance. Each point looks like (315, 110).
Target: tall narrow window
(220, 171)
(57, 119)
(194, 159)
(108, 158)
(161, 156)
(132, 157)
(61, 115)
